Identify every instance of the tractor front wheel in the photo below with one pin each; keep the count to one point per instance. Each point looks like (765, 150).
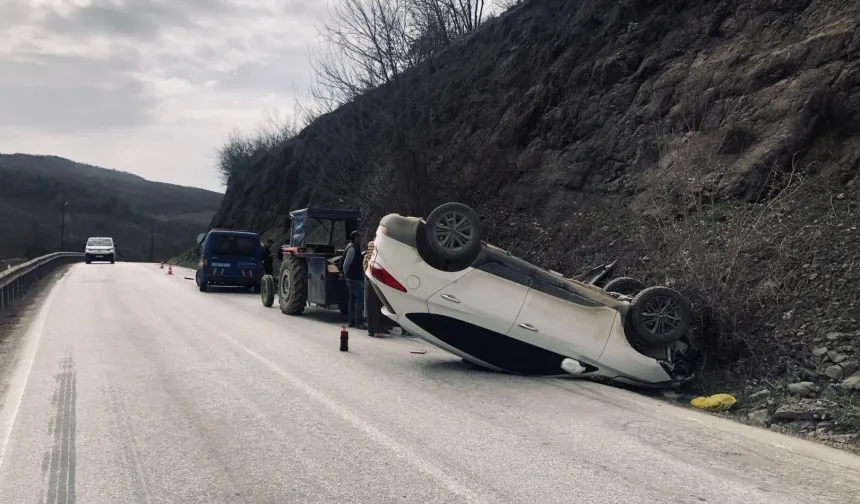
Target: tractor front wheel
(293, 285)
(267, 290)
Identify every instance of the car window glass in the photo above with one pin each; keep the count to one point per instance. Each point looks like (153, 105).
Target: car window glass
(235, 245)
(318, 232)
(99, 242)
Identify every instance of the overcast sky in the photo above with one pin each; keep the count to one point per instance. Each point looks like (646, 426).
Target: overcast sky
(148, 86)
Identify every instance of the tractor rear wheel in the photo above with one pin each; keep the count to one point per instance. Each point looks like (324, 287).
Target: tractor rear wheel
(293, 285)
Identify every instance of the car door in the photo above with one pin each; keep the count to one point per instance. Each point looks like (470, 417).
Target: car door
(563, 322)
(489, 297)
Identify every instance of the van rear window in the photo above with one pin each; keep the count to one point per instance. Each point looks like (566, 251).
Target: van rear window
(234, 245)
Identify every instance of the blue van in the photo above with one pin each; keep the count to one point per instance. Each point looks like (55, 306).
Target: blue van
(229, 257)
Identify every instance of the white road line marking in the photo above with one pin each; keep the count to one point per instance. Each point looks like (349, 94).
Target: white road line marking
(401, 451)
(19, 377)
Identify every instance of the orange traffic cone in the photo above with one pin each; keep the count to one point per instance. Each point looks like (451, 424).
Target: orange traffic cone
(170, 269)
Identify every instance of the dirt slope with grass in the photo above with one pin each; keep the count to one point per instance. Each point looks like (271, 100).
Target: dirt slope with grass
(712, 146)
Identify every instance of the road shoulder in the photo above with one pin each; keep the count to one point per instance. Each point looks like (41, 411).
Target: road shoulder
(15, 324)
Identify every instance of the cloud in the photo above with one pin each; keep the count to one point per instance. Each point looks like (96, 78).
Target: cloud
(139, 19)
(91, 94)
(164, 80)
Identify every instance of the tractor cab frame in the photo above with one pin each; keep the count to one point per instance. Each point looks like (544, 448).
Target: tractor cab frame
(309, 274)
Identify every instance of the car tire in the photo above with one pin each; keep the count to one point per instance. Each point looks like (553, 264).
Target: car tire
(203, 286)
(293, 285)
(624, 285)
(267, 290)
(659, 316)
(453, 232)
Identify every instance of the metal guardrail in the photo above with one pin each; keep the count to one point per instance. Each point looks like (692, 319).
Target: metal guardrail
(15, 282)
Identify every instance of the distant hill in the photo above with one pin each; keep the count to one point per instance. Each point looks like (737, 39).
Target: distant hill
(100, 202)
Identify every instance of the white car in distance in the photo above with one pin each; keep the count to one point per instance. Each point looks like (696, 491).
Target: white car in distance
(100, 248)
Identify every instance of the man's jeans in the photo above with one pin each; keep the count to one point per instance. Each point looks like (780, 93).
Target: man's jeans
(355, 303)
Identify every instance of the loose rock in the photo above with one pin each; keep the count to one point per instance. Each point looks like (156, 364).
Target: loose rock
(761, 393)
(841, 438)
(788, 414)
(849, 368)
(761, 417)
(851, 383)
(836, 357)
(671, 395)
(801, 425)
(803, 389)
(818, 352)
(834, 371)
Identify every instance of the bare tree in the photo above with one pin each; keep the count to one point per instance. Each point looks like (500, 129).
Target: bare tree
(371, 43)
(508, 4)
(378, 61)
(234, 157)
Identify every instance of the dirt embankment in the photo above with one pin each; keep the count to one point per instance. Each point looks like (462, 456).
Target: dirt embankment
(710, 145)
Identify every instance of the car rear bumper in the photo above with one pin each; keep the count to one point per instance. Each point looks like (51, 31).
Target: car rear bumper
(99, 256)
(232, 279)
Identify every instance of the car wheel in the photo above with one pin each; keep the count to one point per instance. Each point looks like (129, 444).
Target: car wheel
(659, 316)
(293, 285)
(453, 232)
(267, 290)
(203, 286)
(624, 285)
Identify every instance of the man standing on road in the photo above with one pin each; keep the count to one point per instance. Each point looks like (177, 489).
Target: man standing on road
(267, 256)
(354, 276)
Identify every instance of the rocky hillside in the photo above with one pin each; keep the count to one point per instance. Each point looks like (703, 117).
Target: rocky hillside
(101, 202)
(710, 145)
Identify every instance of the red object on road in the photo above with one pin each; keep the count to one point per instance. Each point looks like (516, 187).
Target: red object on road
(170, 269)
(344, 339)
(162, 264)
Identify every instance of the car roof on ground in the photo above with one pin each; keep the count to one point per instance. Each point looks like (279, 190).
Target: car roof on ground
(326, 213)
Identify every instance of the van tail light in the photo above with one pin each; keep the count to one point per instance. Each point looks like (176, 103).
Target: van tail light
(382, 230)
(205, 262)
(385, 278)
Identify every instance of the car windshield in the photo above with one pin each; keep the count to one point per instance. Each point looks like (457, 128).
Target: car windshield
(99, 242)
(234, 245)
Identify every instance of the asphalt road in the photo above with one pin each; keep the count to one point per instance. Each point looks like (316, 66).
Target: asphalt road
(132, 387)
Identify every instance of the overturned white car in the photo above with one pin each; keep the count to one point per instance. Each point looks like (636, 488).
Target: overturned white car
(438, 280)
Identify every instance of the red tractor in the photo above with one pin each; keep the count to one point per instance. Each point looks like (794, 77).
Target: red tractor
(309, 274)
